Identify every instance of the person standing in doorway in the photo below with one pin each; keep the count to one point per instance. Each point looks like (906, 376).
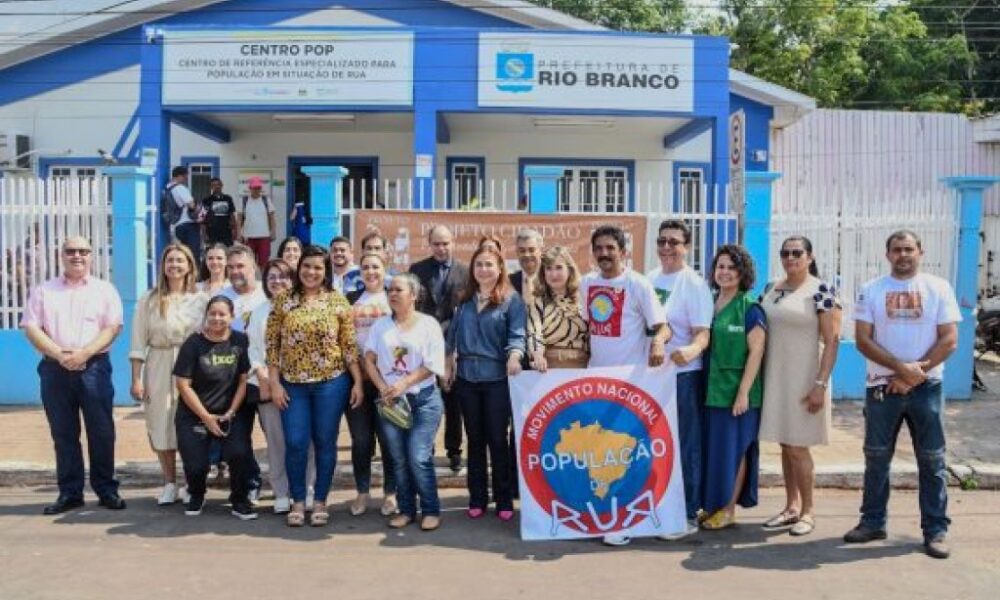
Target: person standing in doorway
(443, 278)
(906, 325)
(221, 225)
(621, 306)
(72, 320)
(257, 221)
(187, 228)
(687, 302)
(301, 221)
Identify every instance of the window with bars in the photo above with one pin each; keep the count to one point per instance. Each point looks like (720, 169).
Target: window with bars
(465, 181)
(593, 189)
(691, 197)
(200, 179)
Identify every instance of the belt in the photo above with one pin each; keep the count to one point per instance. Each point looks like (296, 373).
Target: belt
(566, 354)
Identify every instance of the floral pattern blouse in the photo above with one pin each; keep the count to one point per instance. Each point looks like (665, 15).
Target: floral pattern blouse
(310, 342)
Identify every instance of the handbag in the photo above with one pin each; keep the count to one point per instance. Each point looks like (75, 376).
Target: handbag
(397, 412)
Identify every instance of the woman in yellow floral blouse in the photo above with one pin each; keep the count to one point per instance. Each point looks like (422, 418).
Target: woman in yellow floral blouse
(312, 357)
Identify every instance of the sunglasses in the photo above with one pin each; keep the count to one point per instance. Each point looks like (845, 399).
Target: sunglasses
(76, 251)
(672, 242)
(796, 253)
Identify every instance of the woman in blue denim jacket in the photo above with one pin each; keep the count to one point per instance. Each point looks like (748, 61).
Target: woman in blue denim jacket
(485, 344)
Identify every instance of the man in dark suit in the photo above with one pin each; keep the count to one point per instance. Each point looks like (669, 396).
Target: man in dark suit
(443, 278)
(529, 256)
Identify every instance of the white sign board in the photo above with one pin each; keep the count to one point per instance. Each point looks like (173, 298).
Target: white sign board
(737, 159)
(586, 71)
(287, 67)
(598, 452)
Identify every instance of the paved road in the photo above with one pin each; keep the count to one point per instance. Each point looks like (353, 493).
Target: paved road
(146, 552)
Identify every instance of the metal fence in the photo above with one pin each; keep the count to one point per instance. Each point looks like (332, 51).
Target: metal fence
(654, 201)
(848, 230)
(36, 217)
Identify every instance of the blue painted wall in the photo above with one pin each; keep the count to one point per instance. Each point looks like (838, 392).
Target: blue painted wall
(758, 129)
(120, 50)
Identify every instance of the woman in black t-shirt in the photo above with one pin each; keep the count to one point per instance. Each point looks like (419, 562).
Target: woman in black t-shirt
(211, 375)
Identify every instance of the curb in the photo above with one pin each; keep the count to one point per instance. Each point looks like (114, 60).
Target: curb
(845, 477)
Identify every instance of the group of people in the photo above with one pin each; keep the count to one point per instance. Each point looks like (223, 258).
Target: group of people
(320, 337)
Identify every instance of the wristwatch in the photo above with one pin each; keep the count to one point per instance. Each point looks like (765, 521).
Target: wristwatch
(821, 383)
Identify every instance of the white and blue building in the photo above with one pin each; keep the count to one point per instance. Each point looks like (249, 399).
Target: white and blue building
(414, 91)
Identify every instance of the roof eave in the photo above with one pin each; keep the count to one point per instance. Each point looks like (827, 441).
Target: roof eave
(789, 105)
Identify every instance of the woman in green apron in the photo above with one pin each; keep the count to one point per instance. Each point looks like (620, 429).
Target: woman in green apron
(734, 391)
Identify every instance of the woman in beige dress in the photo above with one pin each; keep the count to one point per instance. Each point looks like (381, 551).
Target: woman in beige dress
(164, 317)
(558, 337)
(803, 317)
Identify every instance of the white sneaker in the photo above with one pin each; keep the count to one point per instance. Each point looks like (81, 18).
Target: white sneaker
(690, 528)
(168, 496)
(254, 496)
(616, 539)
(282, 506)
(184, 494)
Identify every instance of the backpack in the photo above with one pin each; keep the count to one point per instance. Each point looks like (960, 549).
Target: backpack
(170, 213)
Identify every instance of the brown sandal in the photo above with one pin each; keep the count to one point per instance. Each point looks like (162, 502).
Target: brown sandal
(319, 517)
(295, 518)
(400, 521)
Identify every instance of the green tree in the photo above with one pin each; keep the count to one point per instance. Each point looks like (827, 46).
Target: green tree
(665, 16)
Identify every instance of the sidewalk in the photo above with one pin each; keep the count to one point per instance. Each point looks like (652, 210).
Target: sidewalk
(973, 434)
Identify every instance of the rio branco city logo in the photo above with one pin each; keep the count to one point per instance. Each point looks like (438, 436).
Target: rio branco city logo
(515, 71)
(597, 455)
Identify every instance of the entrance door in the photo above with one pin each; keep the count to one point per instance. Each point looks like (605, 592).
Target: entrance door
(358, 189)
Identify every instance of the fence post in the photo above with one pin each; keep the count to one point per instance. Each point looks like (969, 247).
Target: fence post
(969, 211)
(543, 184)
(758, 186)
(325, 192)
(129, 235)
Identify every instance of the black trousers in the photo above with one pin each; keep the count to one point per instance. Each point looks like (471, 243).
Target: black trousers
(194, 443)
(452, 423)
(361, 422)
(486, 411)
(66, 394)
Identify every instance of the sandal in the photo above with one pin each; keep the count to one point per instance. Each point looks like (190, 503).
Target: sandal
(781, 520)
(359, 505)
(295, 518)
(804, 526)
(430, 522)
(719, 520)
(319, 517)
(389, 506)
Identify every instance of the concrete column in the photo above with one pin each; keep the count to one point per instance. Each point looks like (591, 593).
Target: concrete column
(757, 222)
(969, 212)
(325, 192)
(543, 188)
(130, 192)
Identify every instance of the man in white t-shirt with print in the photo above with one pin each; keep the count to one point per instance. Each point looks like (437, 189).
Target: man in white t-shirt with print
(620, 307)
(256, 214)
(906, 326)
(687, 301)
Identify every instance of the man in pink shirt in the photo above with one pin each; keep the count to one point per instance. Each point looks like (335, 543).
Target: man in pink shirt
(72, 320)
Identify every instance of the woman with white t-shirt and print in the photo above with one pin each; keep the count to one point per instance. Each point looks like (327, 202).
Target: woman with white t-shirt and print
(404, 356)
(687, 301)
(369, 305)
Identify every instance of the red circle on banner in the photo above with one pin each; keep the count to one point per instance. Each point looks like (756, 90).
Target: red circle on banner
(620, 393)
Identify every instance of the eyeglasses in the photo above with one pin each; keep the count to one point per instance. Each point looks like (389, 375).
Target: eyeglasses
(672, 242)
(796, 253)
(76, 251)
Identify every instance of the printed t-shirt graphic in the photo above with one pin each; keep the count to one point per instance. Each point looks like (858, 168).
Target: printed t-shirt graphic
(605, 304)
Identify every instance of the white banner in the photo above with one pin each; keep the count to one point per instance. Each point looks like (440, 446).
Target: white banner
(283, 67)
(598, 452)
(586, 71)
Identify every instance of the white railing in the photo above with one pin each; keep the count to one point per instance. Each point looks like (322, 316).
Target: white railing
(849, 233)
(653, 200)
(36, 217)
(989, 271)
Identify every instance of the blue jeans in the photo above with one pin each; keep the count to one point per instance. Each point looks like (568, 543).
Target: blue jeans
(689, 426)
(921, 409)
(313, 416)
(66, 394)
(412, 453)
(189, 234)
